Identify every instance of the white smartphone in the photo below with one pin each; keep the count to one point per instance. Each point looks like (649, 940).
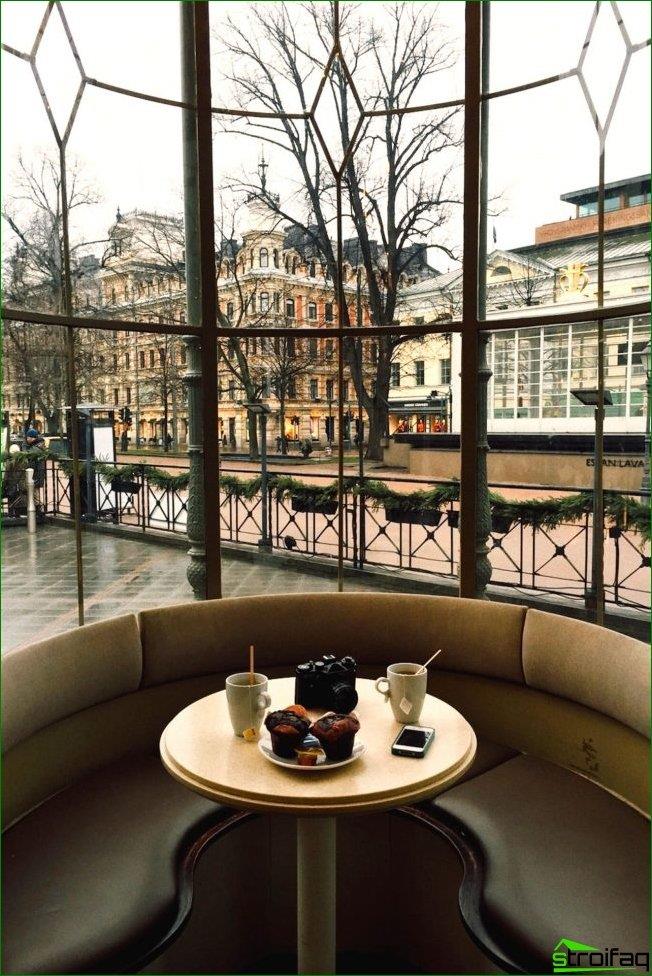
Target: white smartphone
(413, 741)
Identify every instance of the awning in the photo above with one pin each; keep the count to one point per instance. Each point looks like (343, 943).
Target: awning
(434, 405)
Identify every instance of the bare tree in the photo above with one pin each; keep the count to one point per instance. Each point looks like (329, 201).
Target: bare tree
(163, 384)
(397, 184)
(289, 360)
(238, 307)
(34, 278)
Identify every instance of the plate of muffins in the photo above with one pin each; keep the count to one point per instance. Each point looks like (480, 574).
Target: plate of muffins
(297, 743)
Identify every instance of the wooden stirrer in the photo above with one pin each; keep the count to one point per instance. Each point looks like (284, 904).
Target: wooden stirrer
(424, 667)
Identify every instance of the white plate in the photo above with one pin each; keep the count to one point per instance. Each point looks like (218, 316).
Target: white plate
(265, 746)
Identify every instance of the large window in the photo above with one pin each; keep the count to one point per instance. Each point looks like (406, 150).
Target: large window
(359, 193)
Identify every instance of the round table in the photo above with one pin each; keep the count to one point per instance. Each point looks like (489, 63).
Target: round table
(199, 749)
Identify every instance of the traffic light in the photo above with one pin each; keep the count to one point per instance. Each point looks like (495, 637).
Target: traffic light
(125, 415)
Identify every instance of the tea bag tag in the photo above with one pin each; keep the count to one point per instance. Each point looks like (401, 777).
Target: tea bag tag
(405, 706)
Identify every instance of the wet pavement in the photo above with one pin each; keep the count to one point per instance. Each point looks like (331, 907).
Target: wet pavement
(39, 583)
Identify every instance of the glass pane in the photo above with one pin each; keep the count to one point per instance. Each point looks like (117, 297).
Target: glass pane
(616, 335)
(539, 253)
(528, 372)
(418, 190)
(128, 262)
(584, 364)
(275, 191)
(34, 395)
(554, 391)
(259, 51)
(407, 515)
(134, 409)
(503, 375)
(637, 19)
(640, 338)
(535, 40)
(630, 127)
(20, 23)
(125, 263)
(31, 188)
(251, 66)
(382, 35)
(146, 35)
(58, 70)
(279, 434)
(276, 266)
(542, 240)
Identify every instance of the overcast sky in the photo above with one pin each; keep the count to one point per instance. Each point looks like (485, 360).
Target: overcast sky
(543, 142)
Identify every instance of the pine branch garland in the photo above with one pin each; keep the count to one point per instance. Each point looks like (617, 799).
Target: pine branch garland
(624, 511)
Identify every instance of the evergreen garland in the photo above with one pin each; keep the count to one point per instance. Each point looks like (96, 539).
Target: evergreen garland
(627, 513)
(413, 501)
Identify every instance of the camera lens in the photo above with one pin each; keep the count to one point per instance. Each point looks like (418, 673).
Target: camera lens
(345, 697)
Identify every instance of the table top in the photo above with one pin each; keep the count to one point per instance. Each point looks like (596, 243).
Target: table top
(199, 749)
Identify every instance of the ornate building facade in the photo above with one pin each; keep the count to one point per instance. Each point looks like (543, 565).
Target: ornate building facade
(270, 275)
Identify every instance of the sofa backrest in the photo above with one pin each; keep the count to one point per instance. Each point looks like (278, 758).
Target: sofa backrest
(47, 681)
(603, 670)
(477, 637)
(561, 689)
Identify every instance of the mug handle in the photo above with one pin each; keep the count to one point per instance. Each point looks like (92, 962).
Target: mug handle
(385, 691)
(263, 701)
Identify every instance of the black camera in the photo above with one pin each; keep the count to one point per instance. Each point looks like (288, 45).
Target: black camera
(328, 684)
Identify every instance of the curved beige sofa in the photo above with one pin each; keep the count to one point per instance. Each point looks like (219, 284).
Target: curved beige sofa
(560, 707)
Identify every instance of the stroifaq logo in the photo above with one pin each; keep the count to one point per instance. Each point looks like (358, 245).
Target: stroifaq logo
(577, 957)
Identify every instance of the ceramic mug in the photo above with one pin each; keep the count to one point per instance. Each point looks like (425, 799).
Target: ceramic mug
(405, 689)
(247, 702)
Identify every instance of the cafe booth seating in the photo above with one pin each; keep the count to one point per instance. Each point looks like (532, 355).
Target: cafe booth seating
(111, 866)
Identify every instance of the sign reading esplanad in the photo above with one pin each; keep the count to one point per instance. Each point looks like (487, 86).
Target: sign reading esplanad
(576, 957)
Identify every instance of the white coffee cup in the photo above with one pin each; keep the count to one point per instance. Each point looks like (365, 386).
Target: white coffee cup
(405, 689)
(247, 701)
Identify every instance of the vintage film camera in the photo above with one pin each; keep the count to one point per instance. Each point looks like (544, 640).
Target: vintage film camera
(328, 683)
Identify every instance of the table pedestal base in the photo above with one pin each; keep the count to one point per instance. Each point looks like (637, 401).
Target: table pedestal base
(316, 862)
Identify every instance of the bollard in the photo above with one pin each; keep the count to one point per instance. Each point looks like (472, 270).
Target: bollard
(31, 507)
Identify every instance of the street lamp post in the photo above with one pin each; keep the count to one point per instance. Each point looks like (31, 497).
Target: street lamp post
(645, 357)
(330, 425)
(261, 410)
(595, 593)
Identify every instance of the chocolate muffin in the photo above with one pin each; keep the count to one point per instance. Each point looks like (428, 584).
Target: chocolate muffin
(287, 730)
(336, 734)
(297, 709)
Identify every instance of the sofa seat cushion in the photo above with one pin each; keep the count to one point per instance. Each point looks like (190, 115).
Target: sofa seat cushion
(563, 859)
(487, 755)
(91, 878)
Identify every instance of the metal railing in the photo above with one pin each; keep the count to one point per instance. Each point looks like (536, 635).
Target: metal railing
(523, 557)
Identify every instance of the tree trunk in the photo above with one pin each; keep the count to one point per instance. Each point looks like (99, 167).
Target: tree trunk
(377, 430)
(165, 424)
(252, 425)
(378, 411)
(175, 421)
